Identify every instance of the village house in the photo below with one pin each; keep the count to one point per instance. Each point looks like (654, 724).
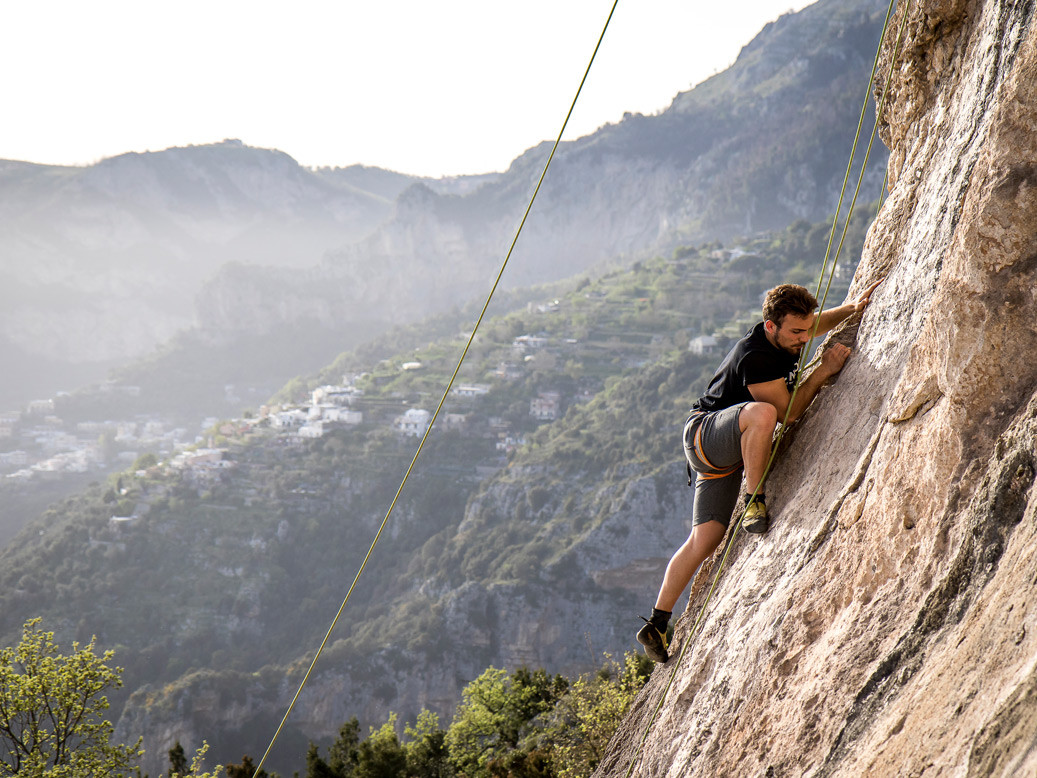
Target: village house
(550, 307)
(546, 406)
(508, 443)
(41, 407)
(529, 342)
(498, 424)
(413, 422)
(286, 420)
(335, 395)
(342, 415)
(455, 421)
(201, 457)
(312, 429)
(703, 344)
(471, 390)
(509, 371)
(118, 523)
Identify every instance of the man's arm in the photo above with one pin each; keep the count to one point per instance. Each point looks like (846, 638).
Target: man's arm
(777, 394)
(828, 320)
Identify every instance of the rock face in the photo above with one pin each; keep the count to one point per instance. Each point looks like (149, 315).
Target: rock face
(886, 626)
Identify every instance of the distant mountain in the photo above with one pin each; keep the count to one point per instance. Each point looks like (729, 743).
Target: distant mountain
(752, 149)
(100, 264)
(229, 244)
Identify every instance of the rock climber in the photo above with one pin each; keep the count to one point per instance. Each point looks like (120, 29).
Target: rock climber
(731, 427)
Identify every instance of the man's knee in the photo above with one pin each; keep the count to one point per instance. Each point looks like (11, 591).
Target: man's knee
(757, 414)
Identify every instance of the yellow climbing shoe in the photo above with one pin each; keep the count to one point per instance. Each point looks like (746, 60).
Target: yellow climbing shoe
(756, 520)
(654, 642)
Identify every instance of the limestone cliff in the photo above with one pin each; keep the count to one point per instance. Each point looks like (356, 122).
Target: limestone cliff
(886, 626)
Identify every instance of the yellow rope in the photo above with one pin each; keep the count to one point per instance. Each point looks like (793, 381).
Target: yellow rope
(867, 153)
(781, 432)
(446, 391)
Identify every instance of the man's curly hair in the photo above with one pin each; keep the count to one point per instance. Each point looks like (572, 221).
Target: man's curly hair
(785, 299)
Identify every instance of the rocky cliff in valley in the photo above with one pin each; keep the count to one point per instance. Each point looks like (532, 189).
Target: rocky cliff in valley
(886, 626)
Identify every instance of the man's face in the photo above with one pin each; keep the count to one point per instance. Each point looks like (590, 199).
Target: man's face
(793, 334)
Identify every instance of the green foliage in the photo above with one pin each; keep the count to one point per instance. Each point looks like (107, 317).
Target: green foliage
(381, 755)
(496, 712)
(178, 760)
(585, 719)
(52, 710)
(178, 767)
(144, 461)
(523, 725)
(427, 752)
(247, 769)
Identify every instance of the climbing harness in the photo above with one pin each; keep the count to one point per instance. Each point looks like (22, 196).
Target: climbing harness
(446, 391)
(824, 268)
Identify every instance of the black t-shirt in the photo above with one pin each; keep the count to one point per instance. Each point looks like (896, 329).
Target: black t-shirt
(753, 360)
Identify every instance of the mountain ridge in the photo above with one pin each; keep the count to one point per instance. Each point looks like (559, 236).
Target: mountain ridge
(637, 187)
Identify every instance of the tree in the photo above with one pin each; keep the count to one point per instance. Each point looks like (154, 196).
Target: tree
(344, 755)
(178, 767)
(247, 769)
(587, 716)
(178, 760)
(381, 755)
(427, 754)
(317, 767)
(144, 461)
(51, 710)
(496, 713)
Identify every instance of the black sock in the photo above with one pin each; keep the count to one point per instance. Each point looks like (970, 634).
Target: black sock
(660, 619)
(749, 497)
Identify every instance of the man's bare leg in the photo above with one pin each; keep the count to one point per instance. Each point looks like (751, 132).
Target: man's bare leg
(702, 542)
(757, 422)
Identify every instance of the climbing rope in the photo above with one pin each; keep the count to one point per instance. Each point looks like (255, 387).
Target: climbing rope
(784, 426)
(446, 391)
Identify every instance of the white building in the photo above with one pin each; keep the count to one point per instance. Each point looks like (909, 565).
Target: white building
(344, 415)
(286, 420)
(41, 407)
(703, 344)
(313, 429)
(414, 422)
(202, 457)
(525, 342)
(471, 390)
(335, 395)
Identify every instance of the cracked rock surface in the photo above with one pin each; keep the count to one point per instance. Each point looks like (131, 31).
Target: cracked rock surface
(887, 624)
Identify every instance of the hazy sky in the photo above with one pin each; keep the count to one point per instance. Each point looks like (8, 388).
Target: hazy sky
(430, 88)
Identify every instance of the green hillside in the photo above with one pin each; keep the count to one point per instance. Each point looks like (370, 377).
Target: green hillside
(223, 575)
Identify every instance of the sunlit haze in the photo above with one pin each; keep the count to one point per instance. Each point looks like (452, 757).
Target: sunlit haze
(428, 88)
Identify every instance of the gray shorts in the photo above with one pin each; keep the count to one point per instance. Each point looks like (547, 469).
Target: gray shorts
(713, 448)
